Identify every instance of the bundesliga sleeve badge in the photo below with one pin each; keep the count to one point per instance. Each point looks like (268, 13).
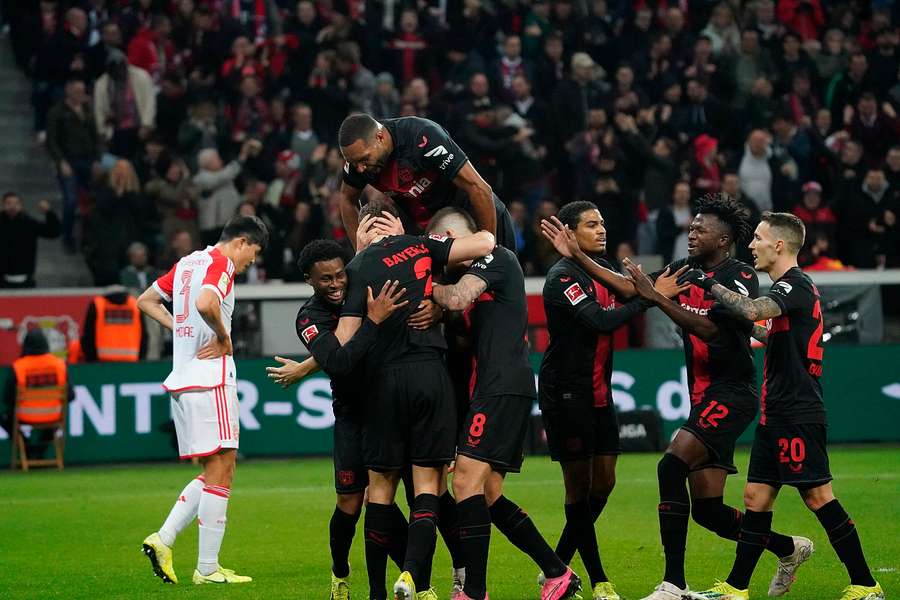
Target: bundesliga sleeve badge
(310, 333)
(575, 294)
(223, 283)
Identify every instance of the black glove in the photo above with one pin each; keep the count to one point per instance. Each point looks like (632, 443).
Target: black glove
(698, 278)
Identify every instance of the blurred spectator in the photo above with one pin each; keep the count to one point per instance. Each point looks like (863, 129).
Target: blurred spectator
(817, 253)
(845, 88)
(800, 100)
(792, 59)
(113, 328)
(139, 274)
(722, 31)
(876, 129)
(359, 81)
(661, 168)
(288, 187)
(179, 246)
(702, 113)
(256, 19)
(202, 129)
(892, 167)
(248, 117)
(219, 198)
(869, 220)
(537, 28)
(110, 39)
(551, 66)
(175, 198)
(542, 253)
(673, 223)
(884, 61)
(73, 145)
(804, 17)
(705, 164)
(171, 108)
(814, 214)
(751, 63)
(124, 105)
(386, 102)
(764, 176)
(600, 33)
(151, 49)
(508, 67)
(304, 227)
(832, 57)
(20, 232)
(304, 142)
(408, 52)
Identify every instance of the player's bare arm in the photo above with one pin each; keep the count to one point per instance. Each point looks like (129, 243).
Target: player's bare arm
(480, 195)
(470, 247)
(563, 240)
(291, 371)
(350, 210)
(461, 294)
(209, 307)
(758, 309)
(151, 304)
(760, 334)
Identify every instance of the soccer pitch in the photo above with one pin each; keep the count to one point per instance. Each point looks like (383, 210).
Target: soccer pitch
(78, 534)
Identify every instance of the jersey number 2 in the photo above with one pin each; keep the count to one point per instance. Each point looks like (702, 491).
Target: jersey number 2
(186, 294)
(422, 267)
(814, 347)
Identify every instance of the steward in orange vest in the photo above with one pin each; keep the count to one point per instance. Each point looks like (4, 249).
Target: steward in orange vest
(113, 329)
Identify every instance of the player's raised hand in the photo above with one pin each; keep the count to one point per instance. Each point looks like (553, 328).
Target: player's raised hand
(215, 349)
(365, 233)
(388, 301)
(643, 285)
(289, 373)
(428, 314)
(388, 224)
(667, 284)
(562, 238)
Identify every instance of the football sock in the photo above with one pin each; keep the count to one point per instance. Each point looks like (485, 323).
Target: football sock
(448, 526)
(422, 535)
(211, 517)
(340, 536)
(844, 538)
(474, 543)
(674, 512)
(517, 526)
(578, 517)
(379, 526)
(399, 529)
(754, 537)
(566, 546)
(184, 511)
(725, 521)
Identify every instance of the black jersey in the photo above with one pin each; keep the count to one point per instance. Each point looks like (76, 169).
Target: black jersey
(581, 318)
(498, 320)
(419, 173)
(723, 365)
(411, 260)
(315, 324)
(791, 391)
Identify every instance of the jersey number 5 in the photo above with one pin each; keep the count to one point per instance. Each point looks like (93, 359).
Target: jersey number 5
(186, 294)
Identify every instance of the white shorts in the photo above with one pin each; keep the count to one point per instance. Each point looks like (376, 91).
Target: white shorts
(206, 421)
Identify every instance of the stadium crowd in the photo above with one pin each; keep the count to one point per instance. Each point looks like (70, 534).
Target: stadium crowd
(165, 118)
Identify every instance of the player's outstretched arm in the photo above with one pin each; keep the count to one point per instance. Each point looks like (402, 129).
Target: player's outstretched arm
(350, 210)
(752, 309)
(461, 294)
(480, 195)
(151, 304)
(291, 371)
(470, 247)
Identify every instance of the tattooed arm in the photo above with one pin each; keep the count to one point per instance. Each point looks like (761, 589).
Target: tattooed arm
(751, 309)
(760, 333)
(461, 294)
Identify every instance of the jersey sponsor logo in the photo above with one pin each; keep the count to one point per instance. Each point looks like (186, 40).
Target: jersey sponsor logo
(438, 237)
(746, 275)
(223, 283)
(420, 186)
(439, 151)
(446, 162)
(424, 142)
(785, 288)
(309, 334)
(575, 294)
(741, 287)
(487, 259)
(695, 309)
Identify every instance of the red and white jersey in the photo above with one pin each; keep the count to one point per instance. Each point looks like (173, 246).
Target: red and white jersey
(208, 269)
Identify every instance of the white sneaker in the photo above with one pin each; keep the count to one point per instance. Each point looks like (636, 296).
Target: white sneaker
(787, 566)
(667, 591)
(459, 582)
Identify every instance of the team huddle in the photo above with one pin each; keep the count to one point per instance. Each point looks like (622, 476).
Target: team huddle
(423, 334)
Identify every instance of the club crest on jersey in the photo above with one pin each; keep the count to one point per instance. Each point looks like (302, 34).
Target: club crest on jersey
(746, 275)
(741, 287)
(404, 174)
(309, 334)
(785, 287)
(424, 142)
(575, 294)
(439, 151)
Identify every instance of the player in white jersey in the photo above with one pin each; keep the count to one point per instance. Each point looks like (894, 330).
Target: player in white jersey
(202, 385)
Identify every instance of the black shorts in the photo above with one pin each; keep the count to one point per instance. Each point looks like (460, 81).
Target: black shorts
(350, 474)
(410, 417)
(718, 424)
(494, 431)
(790, 455)
(576, 431)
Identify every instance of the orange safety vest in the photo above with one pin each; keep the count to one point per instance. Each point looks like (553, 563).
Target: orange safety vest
(73, 352)
(118, 330)
(40, 388)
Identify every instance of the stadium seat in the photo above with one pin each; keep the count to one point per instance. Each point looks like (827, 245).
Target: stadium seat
(41, 408)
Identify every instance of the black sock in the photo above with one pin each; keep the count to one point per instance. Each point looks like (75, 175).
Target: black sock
(340, 536)
(844, 538)
(378, 526)
(578, 517)
(674, 512)
(474, 543)
(725, 521)
(448, 525)
(422, 535)
(566, 546)
(754, 537)
(399, 530)
(517, 526)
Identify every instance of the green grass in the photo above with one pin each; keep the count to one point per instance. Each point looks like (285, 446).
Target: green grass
(77, 534)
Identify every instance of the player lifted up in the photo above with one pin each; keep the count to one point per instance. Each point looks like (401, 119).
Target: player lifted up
(789, 445)
(417, 164)
(203, 388)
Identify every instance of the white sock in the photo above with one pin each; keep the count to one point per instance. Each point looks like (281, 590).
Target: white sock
(184, 511)
(211, 517)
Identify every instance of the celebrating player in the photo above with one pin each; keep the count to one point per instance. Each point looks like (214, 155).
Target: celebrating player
(322, 263)
(789, 446)
(415, 162)
(492, 293)
(722, 383)
(203, 389)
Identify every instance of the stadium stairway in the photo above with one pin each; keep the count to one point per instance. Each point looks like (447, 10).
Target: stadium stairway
(26, 168)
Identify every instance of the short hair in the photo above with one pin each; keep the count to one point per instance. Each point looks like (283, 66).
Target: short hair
(205, 155)
(376, 207)
(356, 127)
(319, 251)
(451, 218)
(729, 211)
(10, 194)
(135, 246)
(570, 214)
(790, 228)
(252, 228)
